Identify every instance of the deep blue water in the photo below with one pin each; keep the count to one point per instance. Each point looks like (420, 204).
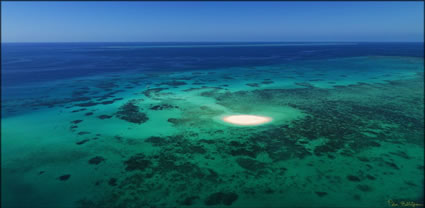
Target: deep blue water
(25, 63)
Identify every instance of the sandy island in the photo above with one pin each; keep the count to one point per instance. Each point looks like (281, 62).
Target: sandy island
(246, 120)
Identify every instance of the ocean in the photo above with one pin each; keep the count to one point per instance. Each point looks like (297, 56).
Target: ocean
(143, 124)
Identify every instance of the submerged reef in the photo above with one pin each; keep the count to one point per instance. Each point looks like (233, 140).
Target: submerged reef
(96, 160)
(221, 198)
(163, 107)
(153, 92)
(131, 113)
(324, 143)
(64, 177)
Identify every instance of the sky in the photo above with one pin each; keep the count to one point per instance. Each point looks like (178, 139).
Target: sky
(163, 21)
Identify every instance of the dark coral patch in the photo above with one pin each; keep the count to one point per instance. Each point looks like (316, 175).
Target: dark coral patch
(304, 84)
(353, 178)
(250, 164)
(357, 197)
(371, 177)
(112, 182)
(107, 102)
(87, 104)
(156, 141)
(75, 111)
(96, 160)
(221, 198)
(64, 177)
(321, 194)
(401, 154)
(83, 132)
(196, 149)
(153, 92)
(137, 162)
(189, 200)
(392, 165)
(76, 121)
(240, 149)
(253, 84)
(177, 121)
(364, 188)
(267, 82)
(363, 159)
(131, 113)
(104, 117)
(162, 107)
(173, 83)
(82, 141)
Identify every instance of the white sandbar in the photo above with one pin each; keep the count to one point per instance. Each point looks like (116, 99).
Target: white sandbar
(246, 120)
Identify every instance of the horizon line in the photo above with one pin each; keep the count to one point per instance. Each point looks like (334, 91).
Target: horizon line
(216, 42)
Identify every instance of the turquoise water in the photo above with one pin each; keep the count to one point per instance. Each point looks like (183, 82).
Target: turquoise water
(346, 132)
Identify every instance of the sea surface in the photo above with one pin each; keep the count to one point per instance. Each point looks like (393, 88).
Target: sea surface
(140, 125)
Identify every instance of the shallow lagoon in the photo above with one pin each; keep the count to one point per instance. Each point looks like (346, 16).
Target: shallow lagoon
(346, 132)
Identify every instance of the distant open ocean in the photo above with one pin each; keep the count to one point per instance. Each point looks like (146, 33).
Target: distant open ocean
(141, 124)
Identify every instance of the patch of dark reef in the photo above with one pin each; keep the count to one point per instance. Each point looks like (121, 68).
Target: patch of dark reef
(137, 162)
(321, 193)
(162, 107)
(401, 154)
(76, 121)
(244, 149)
(174, 83)
(64, 177)
(221, 198)
(353, 178)
(153, 92)
(250, 164)
(131, 113)
(107, 85)
(364, 188)
(157, 141)
(104, 117)
(198, 83)
(79, 110)
(112, 181)
(91, 103)
(274, 141)
(370, 177)
(267, 82)
(253, 84)
(227, 77)
(201, 88)
(96, 160)
(83, 133)
(181, 144)
(178, 121)
(82, 141)
(87, 104)
(189, 200)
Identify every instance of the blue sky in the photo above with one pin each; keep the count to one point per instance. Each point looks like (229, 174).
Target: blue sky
(211, 21)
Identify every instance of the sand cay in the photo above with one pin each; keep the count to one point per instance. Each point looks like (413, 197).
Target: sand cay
(247, 120)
